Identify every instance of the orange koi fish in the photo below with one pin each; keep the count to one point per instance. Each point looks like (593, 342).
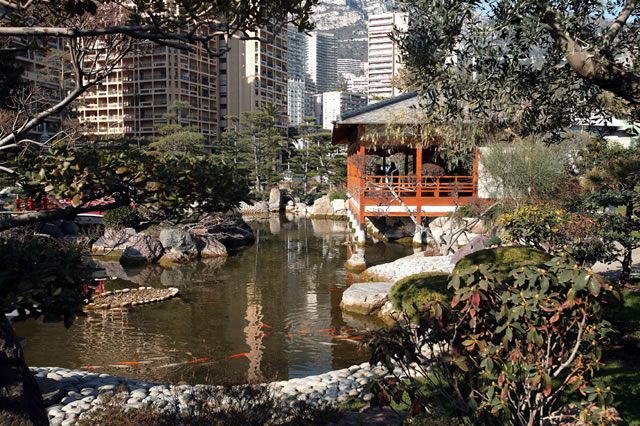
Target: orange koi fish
(331, 330)
(238, 355)
(128, 363)
(265, 325)
(193, 361)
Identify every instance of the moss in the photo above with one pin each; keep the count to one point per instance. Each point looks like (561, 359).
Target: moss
(504, 258)
(418, 289)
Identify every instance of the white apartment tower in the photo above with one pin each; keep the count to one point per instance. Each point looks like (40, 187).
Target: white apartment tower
(296, 81)
(384, 57)
(336, 103)
(321, 62)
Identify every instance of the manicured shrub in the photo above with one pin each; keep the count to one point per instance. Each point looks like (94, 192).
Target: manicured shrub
(121, 217)
(411, 293)
(555, 230)
(504, 259)
(337, 196)
(506, 350)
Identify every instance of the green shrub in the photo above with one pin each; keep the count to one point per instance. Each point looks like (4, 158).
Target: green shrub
(504, 259)
(415, 290)
(337, 196)
(506, 350)
(121, 217)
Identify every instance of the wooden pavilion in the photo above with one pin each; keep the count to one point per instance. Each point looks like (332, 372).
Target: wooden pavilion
(419, 186)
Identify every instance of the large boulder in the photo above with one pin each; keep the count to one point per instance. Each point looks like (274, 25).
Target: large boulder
(275, 199)
(208, 246)
(232, 231)
(322, 207)
(142, 249)
(177, 240)
(365, 298)
(114, 241)
(339, 207)
(474, 245)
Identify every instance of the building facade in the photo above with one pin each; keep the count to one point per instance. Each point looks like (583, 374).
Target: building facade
(321, 73)
(296, 80)
(337, 103)
(137, 96)
(256, 75)
(384, 55)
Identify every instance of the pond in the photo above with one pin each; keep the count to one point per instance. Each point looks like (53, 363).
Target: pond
(269, 312)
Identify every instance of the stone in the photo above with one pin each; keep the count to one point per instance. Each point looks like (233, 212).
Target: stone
(51, 390)
(208, 246)
(365, 298)
(275, 199)
(473, 246)
(322, 207)
(177, 240)
(144, 249)
(356, 262)
(52, 229)
(339, 207)
(69, 227)
(114, 241)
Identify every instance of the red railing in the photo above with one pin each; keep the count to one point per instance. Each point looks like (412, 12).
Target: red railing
(32, 204)
(407, 186)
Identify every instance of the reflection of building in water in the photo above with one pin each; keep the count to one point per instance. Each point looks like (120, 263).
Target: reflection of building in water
(254, 334)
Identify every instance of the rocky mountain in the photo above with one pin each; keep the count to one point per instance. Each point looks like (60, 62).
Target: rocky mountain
(347, 20)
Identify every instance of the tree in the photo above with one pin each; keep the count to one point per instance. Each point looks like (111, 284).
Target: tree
(530, 66)
(174, 137)
(261, 146)
(614, 180)
(314, 157)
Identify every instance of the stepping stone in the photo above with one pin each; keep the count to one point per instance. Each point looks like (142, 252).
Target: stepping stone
(365, 298)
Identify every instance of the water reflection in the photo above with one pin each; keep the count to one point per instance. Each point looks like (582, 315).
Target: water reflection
(263, 314)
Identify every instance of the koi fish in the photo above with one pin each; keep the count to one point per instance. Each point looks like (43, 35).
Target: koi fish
(193, 361)
(331, 330)
(265, 325)
(91, 366)
(304, 331)
(128, 363)
(291, 335)
(238, 355)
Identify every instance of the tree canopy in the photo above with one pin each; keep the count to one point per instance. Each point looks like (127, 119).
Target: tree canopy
(530, 66)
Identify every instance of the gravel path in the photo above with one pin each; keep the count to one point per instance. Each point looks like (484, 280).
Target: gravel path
(83, 391)
(409, 265)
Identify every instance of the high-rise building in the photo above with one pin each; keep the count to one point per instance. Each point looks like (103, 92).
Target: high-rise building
(357, 84)
(349, 66)
(296, 80)
(256, 74)
(321, 73)
(136, 97)
(336, 103)
(384, 56)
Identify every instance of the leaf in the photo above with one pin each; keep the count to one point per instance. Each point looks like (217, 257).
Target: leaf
(122, 170)
(581, 281)
(546, 380)
(594, 287)
(76, 201)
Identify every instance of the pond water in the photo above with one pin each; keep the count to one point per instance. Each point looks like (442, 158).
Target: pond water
(269, 312)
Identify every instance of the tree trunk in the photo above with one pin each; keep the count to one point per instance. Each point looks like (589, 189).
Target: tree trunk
(20, 398)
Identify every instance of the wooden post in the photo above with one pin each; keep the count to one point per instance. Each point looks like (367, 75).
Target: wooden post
(362, 160)
(419, 183)
(475, 173)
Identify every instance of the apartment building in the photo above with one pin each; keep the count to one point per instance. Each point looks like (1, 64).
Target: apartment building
(384, 56)
(296, 79)
(46, 72)
(357, 84)
(349, 66)
(321, 62)
(256, 74)
(336, 103)
(136, 97)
